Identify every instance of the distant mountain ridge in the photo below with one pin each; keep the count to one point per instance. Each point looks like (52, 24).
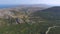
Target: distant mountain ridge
(55, 9)
(31, 5)
(36, 5)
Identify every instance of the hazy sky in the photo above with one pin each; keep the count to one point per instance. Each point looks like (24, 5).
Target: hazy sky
(50, 2)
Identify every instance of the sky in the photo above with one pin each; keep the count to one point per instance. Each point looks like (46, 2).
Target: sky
(49, 2)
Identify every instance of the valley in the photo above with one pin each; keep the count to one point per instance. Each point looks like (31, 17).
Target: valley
(30, 20)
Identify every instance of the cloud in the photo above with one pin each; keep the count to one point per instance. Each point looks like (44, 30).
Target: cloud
(50, 2)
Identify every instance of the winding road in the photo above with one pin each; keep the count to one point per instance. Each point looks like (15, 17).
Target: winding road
(50, 29)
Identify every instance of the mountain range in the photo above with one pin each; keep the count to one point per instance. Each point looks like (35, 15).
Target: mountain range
(7, 9)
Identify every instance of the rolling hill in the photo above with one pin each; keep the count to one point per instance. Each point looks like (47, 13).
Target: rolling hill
(52, 13)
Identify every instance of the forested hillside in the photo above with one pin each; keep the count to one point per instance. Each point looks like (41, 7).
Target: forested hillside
(52, 13)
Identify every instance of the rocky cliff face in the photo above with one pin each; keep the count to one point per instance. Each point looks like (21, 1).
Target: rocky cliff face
(21, 13)
(5, 13)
